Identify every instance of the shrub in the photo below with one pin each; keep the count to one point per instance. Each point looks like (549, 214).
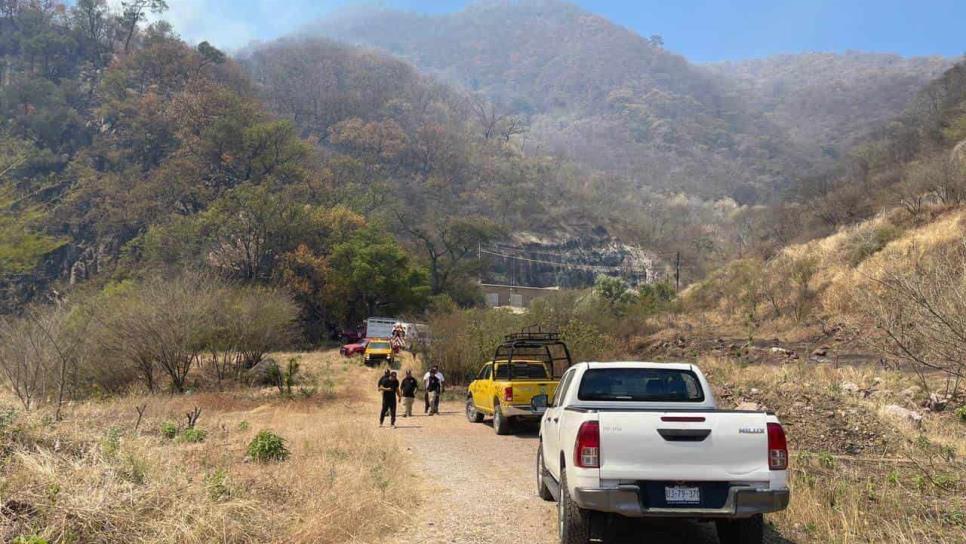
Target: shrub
(218, 485)
(134, 469)
(866, 242)
(267, 446)
(961, 413)
(111, 443)
(193, 435)
(615, 293)
(169, 430)
(286, 379)
(463, 339)
(31, 539)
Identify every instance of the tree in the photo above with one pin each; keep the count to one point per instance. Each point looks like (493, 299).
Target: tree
(371, 274)
(250, 228)
(211, 54)
(450, 245)
(920, 312)
(614, 292)
(22, 245)
(135, 11)
(40, 352)
(159, 326)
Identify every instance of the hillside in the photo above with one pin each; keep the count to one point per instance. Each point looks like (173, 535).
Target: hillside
(645, 113)
(744, 130)
(827, 100)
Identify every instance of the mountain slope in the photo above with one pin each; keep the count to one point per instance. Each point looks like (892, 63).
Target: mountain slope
(591, 90)
(828, 100)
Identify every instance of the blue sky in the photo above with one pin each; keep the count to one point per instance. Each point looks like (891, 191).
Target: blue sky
(701, 30)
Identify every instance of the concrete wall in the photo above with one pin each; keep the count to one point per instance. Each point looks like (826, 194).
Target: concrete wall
(508, 295)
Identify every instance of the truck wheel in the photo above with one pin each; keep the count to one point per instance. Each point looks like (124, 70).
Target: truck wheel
(472, 414)
(742, 531)
(574, 521)
(542, 490)
(500, 423)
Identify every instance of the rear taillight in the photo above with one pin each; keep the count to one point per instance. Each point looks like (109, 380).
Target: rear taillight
(777, 447)
(587, 449)
(508, 394)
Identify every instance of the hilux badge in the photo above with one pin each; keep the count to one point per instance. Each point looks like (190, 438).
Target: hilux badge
(751, 430)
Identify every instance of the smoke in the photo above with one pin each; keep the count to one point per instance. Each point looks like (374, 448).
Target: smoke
(233, 24)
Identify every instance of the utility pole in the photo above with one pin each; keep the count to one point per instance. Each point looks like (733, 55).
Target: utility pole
(677, 271)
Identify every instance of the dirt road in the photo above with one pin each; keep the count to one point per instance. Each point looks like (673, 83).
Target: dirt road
(481, 489)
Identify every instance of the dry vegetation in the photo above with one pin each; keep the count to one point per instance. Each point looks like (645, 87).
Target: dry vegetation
(98, 476)
(860, 472)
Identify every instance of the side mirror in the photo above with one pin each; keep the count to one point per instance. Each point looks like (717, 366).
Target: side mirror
(538, 403)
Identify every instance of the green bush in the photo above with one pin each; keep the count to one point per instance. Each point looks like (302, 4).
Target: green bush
(218, 485)
(961, 413)
(169, 430)
(193, 435)
(32, 539)
(867, 242)
(111, 443)
(267, 446)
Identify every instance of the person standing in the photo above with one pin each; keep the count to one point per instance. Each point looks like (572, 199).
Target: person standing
(433, 370)
(408, 387)
(434, 387)
(389, 387)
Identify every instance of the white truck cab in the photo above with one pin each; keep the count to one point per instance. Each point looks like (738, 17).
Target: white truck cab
(640, 439)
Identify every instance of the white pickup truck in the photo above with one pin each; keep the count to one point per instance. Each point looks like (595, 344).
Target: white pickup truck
(646, 440)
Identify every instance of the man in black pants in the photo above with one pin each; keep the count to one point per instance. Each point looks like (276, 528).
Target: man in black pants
(389, 386)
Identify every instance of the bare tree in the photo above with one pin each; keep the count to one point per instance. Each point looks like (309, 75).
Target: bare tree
(38, 352)
(920, 313)
(135, 11)
(161, 326)
(22, 364)
(511, 126)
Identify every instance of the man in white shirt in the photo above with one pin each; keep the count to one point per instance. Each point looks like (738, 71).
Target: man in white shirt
(433, 385)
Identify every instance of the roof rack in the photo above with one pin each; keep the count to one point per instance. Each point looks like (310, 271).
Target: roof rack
(533, 342)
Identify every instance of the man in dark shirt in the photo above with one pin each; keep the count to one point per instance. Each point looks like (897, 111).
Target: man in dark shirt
(434, 387)
(409, 385)
(389, 387)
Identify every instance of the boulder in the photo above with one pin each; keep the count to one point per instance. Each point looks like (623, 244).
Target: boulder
(749, 406)
(265, 372)
(898, 412)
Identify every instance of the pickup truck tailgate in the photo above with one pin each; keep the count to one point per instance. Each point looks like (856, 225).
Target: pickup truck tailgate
(523, 391)
(708, 446)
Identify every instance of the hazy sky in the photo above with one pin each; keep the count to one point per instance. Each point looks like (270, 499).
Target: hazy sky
(702, 30)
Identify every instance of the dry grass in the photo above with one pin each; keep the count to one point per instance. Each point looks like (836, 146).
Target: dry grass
(905, 484)
(92, 478)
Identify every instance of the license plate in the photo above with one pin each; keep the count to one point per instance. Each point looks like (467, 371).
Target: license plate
(682, 495)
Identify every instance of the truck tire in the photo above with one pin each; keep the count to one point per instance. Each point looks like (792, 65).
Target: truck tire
(742, 531)
(501, 424)
(542, 490)
(472, 414)
(574, 522)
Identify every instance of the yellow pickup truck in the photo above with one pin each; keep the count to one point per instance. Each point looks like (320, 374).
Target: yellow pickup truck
(515, 385)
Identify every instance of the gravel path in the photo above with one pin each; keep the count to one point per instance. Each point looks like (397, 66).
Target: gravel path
(483, 489)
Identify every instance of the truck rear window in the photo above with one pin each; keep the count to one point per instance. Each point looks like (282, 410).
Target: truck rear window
(640, 385)
(522, 371)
